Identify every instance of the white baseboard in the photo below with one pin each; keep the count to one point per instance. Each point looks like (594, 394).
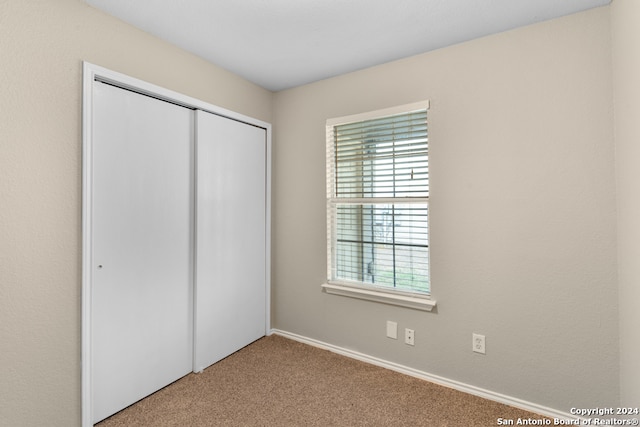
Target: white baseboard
(456, 385)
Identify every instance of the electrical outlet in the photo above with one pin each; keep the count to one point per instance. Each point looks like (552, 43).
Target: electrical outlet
(408, 336)
(478, 344)
(392, 330)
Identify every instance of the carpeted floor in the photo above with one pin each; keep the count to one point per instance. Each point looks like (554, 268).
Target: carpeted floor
(279, 382)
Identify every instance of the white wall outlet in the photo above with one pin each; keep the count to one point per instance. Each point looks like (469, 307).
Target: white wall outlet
(392, 329)
(478, 344)
(408, 336)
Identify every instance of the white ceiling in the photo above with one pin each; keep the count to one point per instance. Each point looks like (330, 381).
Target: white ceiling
(279, 44)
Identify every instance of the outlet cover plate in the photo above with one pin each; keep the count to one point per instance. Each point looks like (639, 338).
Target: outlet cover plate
(409, 335)
(479, 344)
(392, 330)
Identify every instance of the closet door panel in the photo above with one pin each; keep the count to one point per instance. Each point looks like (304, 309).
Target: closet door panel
(142, 295)
(230, 236)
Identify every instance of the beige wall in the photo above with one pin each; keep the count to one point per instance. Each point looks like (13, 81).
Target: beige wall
(42, 44)
(523, 209)
(626, 72)
(522, 213)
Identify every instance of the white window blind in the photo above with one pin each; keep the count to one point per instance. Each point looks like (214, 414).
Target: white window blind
(377, 200)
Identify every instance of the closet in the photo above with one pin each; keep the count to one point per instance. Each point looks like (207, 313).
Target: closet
(175, 255)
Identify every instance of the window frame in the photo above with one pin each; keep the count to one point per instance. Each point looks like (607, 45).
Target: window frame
(356, 289)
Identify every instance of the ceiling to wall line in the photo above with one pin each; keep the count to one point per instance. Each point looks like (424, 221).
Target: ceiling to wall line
(279, 44)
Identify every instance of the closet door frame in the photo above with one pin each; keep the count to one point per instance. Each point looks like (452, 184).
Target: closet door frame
(92, 74)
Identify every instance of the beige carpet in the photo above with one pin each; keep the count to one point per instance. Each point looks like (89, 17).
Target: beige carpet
(279, 382)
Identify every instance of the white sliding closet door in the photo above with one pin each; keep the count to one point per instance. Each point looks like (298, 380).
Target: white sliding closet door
(142, 250)
(231, 237)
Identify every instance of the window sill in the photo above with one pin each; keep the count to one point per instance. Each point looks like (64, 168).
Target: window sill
(417, 303)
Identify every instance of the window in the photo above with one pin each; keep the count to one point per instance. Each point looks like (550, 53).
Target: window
(378, 202)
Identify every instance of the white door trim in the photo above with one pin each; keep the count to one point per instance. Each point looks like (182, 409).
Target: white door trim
(92, 73)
